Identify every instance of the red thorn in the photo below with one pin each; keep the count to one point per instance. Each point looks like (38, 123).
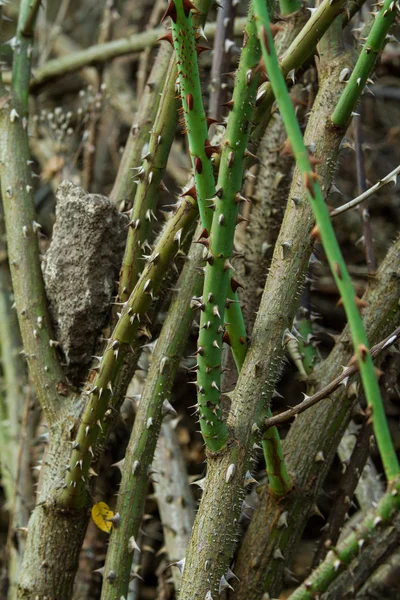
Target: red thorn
(198, 165)
(200, 49)
(231, 75)
(314, 161)
(204, 234)
(189, 101)
(275, 29)
(209, 150)
(363, 351)
(287, 149)
(228, 104)
(360, 303)
(203, 242)
(211, 121)
(265, 39)
(315, 233)
(190, 192)
(242, 340)
(309, 179)
(337, 270)
(235, 284)
(226, 338)
(170, 12)
(167, 38)
(187, 7)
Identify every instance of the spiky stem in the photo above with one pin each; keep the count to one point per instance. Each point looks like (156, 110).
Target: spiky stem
(154, 404)
(151, 171)
(149, 176)
(334, 256)
(340, 558)
(365, 63)
(126, 180)
(299, 50)
(123, 340)
(221, 242)
(197, 129)
(192, 103)
(18, 202)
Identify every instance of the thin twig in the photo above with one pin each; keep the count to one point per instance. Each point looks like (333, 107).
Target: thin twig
(225, 22)
(390, 177)
(331, 387)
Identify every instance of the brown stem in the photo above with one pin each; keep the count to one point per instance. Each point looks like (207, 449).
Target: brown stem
(362, 186)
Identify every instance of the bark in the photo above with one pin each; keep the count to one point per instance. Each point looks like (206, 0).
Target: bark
(309, 457)
(55, 535)
(213, 539)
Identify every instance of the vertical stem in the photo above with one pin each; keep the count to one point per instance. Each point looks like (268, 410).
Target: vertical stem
(362, 186)
(365, 63)
(335, 259)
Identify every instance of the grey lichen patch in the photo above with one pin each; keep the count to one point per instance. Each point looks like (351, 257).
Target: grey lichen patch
(80, 269)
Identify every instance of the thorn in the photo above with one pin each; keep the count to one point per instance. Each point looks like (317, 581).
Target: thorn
(190, 192)
(166, 38)
(170, 12)
(235, 284)
(228, 104)
(198, 165)
(200, 49)
(315, 233)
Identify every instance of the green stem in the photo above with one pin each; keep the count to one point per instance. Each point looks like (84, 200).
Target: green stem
(340, 558)
(220, 249)
(153, 405)
(365, 63)
(334, 256)
(298, 52)
(192, 103)
(149, 175)
(21, 226)
(288, 7)
(124, 339)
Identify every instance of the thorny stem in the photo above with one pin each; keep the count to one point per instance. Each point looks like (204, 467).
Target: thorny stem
(126, 183)
(328, 238)
(18, 202)
(340, 558)
(389, 178)
(192, 105)
(153, 406)
(123, 339)
(149, 176)
(299, 50)
(220, 246)
(365, 63)
(150, 173)
(209, 352)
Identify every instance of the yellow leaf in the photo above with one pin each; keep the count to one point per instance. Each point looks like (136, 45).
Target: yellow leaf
(101, 515)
